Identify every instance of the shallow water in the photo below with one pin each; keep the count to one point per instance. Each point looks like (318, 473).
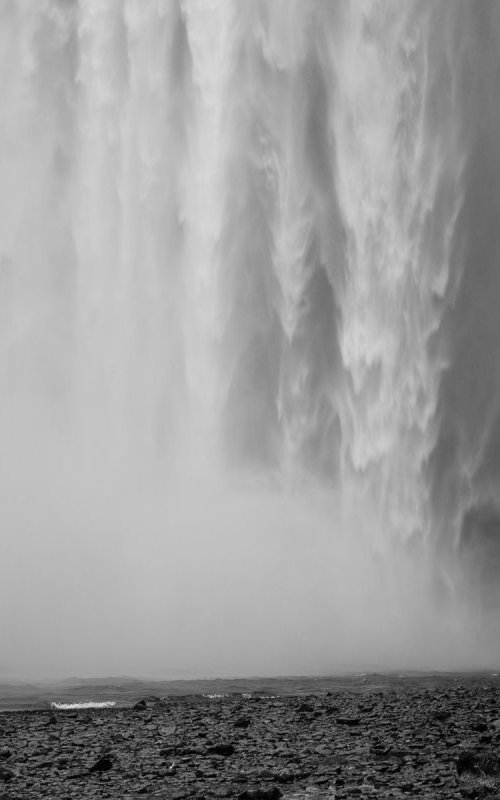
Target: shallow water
(122, 692)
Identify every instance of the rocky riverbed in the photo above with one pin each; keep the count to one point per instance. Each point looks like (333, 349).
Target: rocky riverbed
(409, 740)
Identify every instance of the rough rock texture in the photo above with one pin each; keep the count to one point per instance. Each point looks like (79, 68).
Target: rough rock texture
(413, 741)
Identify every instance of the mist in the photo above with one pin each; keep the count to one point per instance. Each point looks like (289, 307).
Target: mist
(249, 359)
(111, 574)
(107, 572)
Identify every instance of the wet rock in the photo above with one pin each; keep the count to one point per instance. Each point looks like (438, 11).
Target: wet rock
(75, 775)
(223, 791)
(321, 779)
(103, 764)
(167, 730)
(270, 793)
(285, 776)
(380, 750)
(349, 721)
(395, 744)
(221, 749)
(441, 715)
(242, 722)
(478, 762)
(170, 750)
(6, 774)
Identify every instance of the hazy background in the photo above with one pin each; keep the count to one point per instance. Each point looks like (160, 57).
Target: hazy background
(249, 358)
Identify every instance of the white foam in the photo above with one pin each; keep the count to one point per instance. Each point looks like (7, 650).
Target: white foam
(87, 704)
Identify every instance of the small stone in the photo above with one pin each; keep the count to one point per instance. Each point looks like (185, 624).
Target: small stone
(349, 721)
(466, 762)
(285, 776)
(272, 793)
(223, 791)
(321, 780)
(242, 722)
(380, 751)
(222, 749)
(103, 764)
(73, 776)
(165, 730)
(441, 715)
(6, 774)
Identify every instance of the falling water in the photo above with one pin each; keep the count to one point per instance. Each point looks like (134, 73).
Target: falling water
(249, 359)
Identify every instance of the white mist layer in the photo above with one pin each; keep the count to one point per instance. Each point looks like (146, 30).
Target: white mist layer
(105, 575)
(230, 251)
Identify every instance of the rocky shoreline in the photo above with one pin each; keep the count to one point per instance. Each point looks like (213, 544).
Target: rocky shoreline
(407, 741)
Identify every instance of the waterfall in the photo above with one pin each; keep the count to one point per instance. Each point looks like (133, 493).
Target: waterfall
(248, 328)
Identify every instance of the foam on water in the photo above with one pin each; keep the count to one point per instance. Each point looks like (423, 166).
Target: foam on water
(87, 704)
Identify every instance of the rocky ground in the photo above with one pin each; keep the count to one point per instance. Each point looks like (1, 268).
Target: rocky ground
(412, 741)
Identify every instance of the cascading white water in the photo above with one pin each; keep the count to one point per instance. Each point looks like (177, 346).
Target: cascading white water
(397, 169)
(235, 242)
